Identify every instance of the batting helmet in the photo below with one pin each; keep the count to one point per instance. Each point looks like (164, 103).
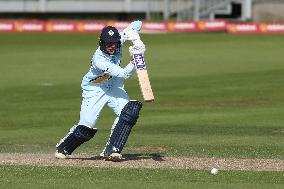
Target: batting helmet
(109, 36)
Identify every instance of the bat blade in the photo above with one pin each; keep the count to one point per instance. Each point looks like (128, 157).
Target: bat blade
(143, 78)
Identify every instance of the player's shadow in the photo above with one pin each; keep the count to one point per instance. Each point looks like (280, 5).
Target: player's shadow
(153, 156)
(127, 157)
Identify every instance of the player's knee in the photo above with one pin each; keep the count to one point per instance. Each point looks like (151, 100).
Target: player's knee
(130, 112)
(88, 121)
(119, 107)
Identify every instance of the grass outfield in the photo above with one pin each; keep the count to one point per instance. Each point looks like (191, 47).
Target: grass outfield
(66, 177)
(217, 95)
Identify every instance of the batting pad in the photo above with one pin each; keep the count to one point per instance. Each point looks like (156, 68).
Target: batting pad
(127, 119)
(74, 139)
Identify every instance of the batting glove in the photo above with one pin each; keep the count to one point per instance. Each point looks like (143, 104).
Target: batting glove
(131, 35)
(137, 47)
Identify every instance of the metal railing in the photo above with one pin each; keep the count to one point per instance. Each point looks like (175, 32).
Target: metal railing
(268, 1)
(169, 9)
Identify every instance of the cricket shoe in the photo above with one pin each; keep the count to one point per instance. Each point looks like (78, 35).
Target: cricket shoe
(115, 157)
(102, 155)
(60, 155)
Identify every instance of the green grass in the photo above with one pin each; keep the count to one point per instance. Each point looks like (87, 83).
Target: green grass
(66, 177)
(216, 94)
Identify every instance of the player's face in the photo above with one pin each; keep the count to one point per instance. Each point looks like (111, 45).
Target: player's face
(111, 48)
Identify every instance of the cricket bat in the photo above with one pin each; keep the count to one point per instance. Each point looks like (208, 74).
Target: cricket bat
(143, 78)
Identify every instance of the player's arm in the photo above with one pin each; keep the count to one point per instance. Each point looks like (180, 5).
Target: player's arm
(113, 69)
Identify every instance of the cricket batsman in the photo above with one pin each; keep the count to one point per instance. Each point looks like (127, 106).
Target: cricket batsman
(103, 85)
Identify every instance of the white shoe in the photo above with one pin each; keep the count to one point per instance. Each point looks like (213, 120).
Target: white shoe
(115, 157)
(60, 155)
(102, 155)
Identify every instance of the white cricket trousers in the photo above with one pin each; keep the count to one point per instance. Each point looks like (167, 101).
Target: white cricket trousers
(94, 101)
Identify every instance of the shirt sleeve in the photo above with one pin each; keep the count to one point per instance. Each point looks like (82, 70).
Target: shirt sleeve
(113, 69)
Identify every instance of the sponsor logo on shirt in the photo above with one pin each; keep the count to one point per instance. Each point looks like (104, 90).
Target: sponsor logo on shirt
(101, 78)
